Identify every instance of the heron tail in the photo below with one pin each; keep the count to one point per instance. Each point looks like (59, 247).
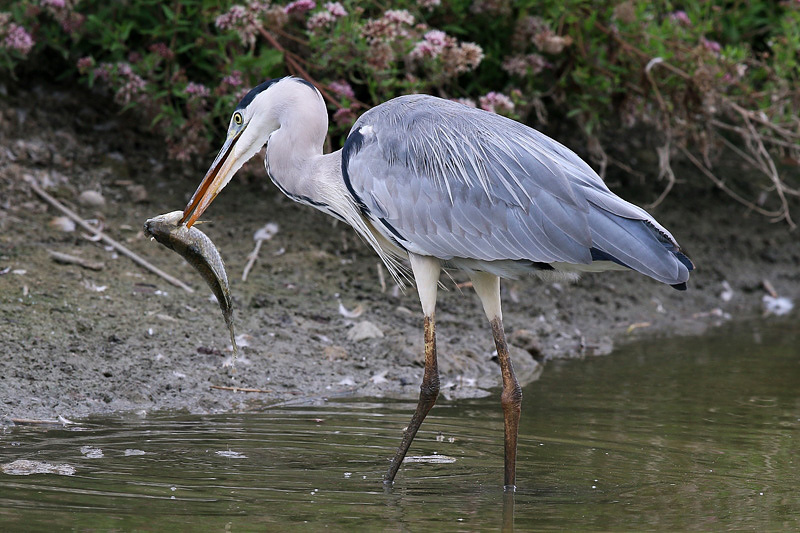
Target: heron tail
(639, 245)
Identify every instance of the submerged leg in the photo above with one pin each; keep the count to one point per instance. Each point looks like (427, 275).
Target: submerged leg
(426, 274)
(488, 288)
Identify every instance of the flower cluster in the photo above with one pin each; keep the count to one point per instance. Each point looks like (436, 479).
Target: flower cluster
(233, 80)
(326, 17)
(381, 34)
(496, 103)
(429, 4)
(525, 64)
(342, 88)
(85, 64)
(469, 102)
(392, 25)
(129, 86)
(344, 116)
(680, 17)
(162, 50)
(299, 6)
(550, 43)
(16, 38)
(246, 20)
(64, 12)
(455, 58)
(712, 46)
(197, 90)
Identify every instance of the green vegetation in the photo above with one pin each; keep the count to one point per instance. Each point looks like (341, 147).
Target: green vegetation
(707, 81)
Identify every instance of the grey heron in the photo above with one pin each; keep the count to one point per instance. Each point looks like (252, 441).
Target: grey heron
(445, 185)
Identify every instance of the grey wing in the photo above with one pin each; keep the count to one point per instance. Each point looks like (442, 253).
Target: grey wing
(445, 180)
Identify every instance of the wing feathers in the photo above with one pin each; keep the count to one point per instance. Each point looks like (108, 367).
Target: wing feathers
(456, 182)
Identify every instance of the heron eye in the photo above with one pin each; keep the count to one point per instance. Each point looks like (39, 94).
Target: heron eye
(237, 119)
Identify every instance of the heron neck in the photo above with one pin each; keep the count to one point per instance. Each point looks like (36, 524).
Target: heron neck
(290, 161)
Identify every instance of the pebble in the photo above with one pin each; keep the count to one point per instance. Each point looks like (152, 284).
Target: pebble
(364, 330)
(24, 467)
(91, 452)
(64, 224)
(91, 199)
(138, 193)
(334, 353)
(777, 306)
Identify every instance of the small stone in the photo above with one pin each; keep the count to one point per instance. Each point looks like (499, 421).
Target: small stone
(334, 353)
(528, 341)
(133, 451)
(138, 193)
(24, 467)
(91, 452)
(64, 224)
(364, 330)
(91, 199)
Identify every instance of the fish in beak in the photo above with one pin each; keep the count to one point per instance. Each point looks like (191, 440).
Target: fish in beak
(222, 170)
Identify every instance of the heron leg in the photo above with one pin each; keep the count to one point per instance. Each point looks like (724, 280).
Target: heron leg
(488, 288)
(426, 274)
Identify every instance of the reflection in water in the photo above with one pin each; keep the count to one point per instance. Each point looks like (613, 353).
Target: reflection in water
(684, 434)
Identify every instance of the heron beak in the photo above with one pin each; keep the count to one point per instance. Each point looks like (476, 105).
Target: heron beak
(214, 181)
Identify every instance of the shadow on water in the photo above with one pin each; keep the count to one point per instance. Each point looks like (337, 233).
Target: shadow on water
(679, 434)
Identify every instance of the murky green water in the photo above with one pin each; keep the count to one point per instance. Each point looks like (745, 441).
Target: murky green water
(684, 434)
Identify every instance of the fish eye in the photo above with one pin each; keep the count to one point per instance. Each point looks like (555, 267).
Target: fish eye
(238, 119)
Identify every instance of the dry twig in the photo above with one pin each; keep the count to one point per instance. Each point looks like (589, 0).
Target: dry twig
(108, 240)
(67, 259)
(240, 389)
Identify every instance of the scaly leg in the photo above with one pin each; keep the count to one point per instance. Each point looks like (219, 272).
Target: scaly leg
(488, 288)
(426, 274)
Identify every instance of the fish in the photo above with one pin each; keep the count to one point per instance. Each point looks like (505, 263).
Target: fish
(200, 252)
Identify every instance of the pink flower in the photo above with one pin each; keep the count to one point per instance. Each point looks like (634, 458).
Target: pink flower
(429, 4)
(469, 102)
(17, 38)
(436, 37)
(129, 85)
(299, 6)
(399, 16)
(197, 90)
(681, 18)
(496, 103)
(84, 64)
(161, 49)
(336, 9)
(390, 26)
(431, 46)
(342, 88)
(323, 19)
(130, 90)
(712, 46)
(344, 116)
(72, 21)
(56, 4)
(242, 20)
(521, 65)
(424, 49)
(470, 56)
(234, 79)
(231, 18)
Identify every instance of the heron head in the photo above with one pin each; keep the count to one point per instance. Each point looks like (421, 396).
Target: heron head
(251, 124)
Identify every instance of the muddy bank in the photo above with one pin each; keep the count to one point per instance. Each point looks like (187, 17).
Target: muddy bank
(75, 341)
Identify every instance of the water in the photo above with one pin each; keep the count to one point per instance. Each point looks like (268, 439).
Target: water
(680, 434)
